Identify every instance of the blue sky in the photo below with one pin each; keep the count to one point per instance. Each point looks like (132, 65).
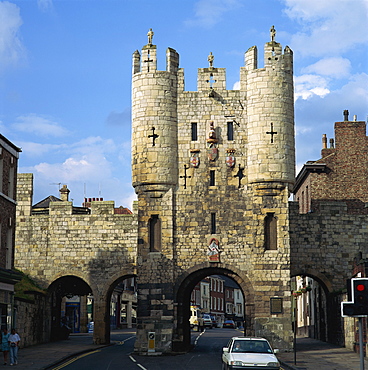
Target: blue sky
(65, 75)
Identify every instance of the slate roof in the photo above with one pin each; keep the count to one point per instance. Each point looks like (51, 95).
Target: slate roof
(45, 203)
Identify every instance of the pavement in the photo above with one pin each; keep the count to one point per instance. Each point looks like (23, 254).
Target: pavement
(311, 355)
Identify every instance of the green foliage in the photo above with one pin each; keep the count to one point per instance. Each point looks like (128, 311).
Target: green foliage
(26, 285)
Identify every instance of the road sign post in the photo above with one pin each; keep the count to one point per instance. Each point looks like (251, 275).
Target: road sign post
(358, 307)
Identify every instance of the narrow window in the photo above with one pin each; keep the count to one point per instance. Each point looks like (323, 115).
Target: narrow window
(270, 232)
(212, 178)
(9, 248)
(155, 233)
(230, 131)
(307, 201)
(213, 223)
(194, 131)
(11, 182)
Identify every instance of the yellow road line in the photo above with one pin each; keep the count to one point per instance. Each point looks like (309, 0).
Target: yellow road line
(75, 359)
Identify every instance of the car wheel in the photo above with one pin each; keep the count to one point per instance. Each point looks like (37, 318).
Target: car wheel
(224, 367)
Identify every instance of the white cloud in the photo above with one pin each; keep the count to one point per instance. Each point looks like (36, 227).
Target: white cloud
(330, 27)
(11, 47)
(308, 85)
(39, 125)
(236, 85)
(37, 149)
(334, 67)
(210, 12)
(316, 116)
(45, 5)
(92, 167)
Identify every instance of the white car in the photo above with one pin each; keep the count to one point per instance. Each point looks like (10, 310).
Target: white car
(249, 353)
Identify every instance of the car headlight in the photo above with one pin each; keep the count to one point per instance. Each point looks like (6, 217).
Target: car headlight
(275, 364)
(236, 363)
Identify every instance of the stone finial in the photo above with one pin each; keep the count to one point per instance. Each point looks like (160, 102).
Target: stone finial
(150, 36)
(210, 59)
(272, 33)
(64, 193)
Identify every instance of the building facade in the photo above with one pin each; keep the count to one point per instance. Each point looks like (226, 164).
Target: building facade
(9, 155)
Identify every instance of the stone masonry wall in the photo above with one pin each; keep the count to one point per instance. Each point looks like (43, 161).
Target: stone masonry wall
(99, 248)
(325, 243)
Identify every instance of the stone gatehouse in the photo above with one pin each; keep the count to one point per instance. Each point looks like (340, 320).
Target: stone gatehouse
(213, 170)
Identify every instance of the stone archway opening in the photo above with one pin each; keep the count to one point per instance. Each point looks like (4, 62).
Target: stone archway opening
(311, 307)
(122, 301)
(69, 306)
(185, 299)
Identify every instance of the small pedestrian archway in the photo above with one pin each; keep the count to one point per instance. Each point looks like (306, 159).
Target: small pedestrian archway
(69, 305)
(121, 299)
(313, 307)
(183, 289)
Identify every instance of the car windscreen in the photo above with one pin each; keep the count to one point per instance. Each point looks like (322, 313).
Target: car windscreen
(251, 346)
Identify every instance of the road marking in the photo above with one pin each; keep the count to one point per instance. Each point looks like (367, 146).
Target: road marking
(196, 340)
(135, 361)
(74, 359)
(121, 342)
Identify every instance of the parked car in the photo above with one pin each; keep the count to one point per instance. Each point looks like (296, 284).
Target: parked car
(229, 324)
(249, 353)
(207, 321)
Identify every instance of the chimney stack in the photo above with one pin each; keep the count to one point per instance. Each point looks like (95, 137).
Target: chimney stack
(346, 115)
(324, 141)
(64, 193)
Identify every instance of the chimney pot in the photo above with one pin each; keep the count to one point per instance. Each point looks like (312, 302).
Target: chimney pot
(346, 115)
(324, 141)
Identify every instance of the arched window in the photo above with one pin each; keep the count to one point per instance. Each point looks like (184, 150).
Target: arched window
(270, 226)
(155, 233)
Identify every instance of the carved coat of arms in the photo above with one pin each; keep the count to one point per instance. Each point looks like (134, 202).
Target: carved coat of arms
(194, 158)
(212, 153)
(230, 158)
(214, 250)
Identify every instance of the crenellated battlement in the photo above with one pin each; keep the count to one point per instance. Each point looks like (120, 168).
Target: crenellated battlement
(147, 61)
(211, 77)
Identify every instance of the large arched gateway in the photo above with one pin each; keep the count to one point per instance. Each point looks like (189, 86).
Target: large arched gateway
(183, 291)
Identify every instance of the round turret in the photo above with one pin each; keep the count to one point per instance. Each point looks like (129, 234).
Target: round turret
(270, 96)
(154, 120)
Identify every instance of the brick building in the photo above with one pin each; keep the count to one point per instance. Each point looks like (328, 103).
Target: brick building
(9, 155)
(342, 171)
(217, 298)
